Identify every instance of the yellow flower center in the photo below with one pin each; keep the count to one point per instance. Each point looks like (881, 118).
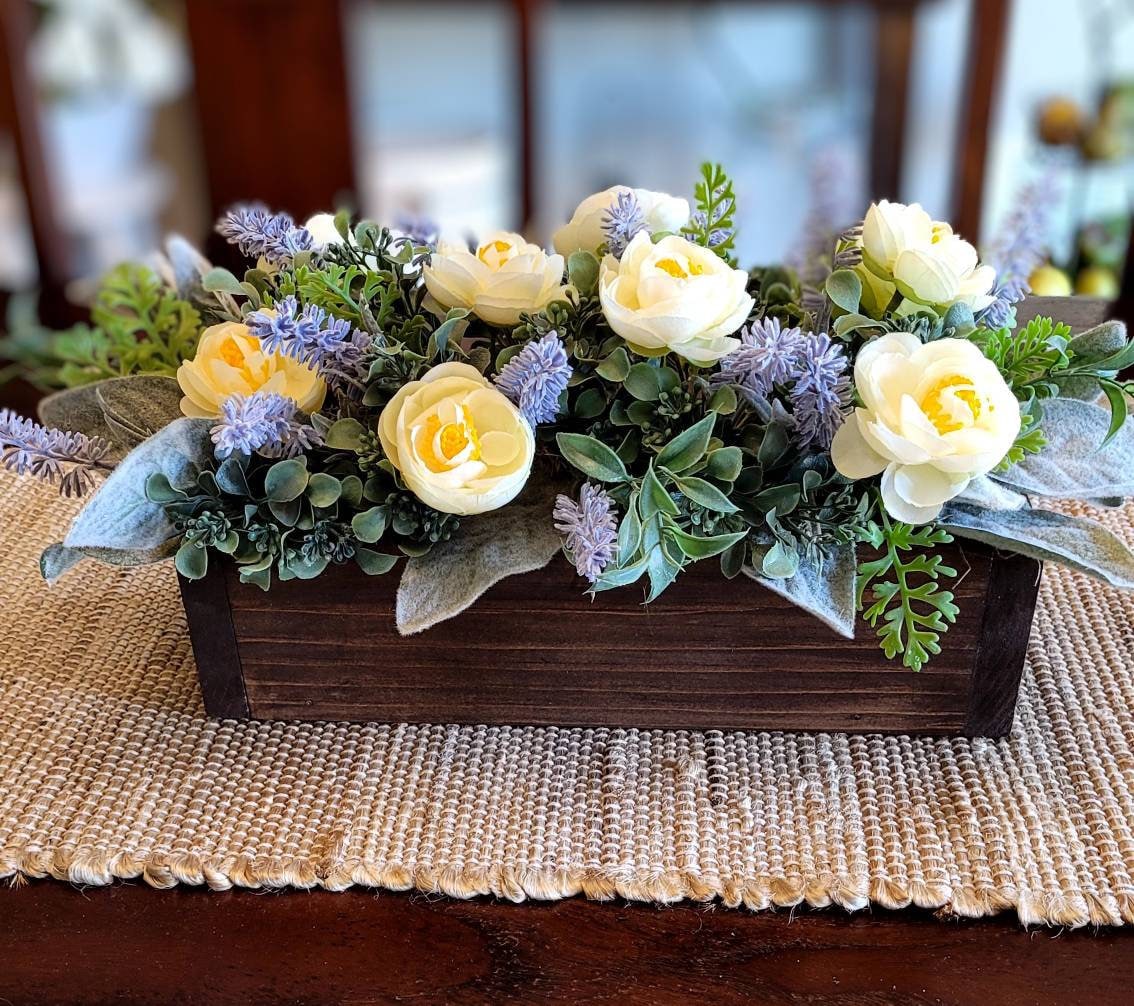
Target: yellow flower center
(500, 247)
(450, 440)
(674, 268)
(231, 354)
(944, 418)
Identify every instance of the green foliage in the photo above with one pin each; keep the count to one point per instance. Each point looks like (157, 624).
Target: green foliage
(1043, 361)
(910, 609)
(139, 326)
(712, 225)
(1030, 357)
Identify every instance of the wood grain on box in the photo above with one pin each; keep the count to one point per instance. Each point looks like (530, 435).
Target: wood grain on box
(709, 654)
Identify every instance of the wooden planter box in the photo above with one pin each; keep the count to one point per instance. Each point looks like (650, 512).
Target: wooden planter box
(710, 654)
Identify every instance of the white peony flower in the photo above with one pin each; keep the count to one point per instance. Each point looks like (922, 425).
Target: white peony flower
(662, 212)
(323, 231)
(674, 296)
(933, 416)
(504, 277)
(927, 262)
(460, 445)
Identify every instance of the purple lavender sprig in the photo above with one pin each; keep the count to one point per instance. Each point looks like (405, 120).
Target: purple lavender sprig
(621, 221)
(536, 377)
(315, 338)
(256, 231)
(264, 423)
(589, 528)
(768, 355)
(1021, 244)
(822, 392)
(421, 230)
(71, 460)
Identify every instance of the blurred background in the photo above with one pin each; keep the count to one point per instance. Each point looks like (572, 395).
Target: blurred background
(121, 120)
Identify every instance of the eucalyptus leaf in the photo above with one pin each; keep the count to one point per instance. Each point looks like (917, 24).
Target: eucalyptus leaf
(821, 587)
(218, 280)
(487, 548)
(345, 435)
(643, 383)
(615, 367)
(696, 547)
(724, 400)
(705, 494)
(592, 457)
(1076, 542)
(845, 290)
(119, 524)
(191, 562)
(583, 271)
(324, 490)
(725, 463)
(286, 480)
(374, 563)
(688, 447)
(780, 562)
(370, 525)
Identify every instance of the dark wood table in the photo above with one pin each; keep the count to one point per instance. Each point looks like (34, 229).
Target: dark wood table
(130, 944)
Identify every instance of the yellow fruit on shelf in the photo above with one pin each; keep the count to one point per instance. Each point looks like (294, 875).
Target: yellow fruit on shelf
(1048, 281)
(1060, 122)
(1097, 281)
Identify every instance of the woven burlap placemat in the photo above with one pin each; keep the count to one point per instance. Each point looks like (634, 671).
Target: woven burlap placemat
(109, 768)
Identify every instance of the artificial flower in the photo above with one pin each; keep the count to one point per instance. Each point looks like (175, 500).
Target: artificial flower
(587, 230)
(674, 296)
(459, 444)
(231, 361)
(505, 277)
(933, 416)
(923, 258)
(323, 231)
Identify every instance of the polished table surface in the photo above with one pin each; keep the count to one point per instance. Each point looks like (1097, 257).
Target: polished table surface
(130, 944)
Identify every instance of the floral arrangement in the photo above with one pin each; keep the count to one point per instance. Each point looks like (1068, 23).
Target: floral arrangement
(634, 400)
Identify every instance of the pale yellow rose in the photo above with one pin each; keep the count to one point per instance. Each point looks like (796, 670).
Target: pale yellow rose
(661, 212)
(461, 446)
(674, 296)
(934, 415)
(504, 277)
(229, 361)
(923, 258)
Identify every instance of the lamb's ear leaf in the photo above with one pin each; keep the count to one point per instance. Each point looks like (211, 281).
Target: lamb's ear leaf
(823, 588)
(1074, 464)
(137, 407)
(123, 410)
(78, 410)
(517, 538)
(56, 560)
(119, 524)
(1076, 542)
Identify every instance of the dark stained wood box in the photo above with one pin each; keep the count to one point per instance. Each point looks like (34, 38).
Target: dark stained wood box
(709, 654)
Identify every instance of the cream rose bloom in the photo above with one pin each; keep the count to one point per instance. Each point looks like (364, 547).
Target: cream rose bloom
(674, 296)
(924, 258)
(504, 277)
(461, 446)
(662, 212)
(933, 416)
(229, 361)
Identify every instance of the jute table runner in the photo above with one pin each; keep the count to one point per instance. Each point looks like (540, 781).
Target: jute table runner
(109, 768)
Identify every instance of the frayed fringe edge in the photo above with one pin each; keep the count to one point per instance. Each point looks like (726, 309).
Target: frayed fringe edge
(852, 893)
